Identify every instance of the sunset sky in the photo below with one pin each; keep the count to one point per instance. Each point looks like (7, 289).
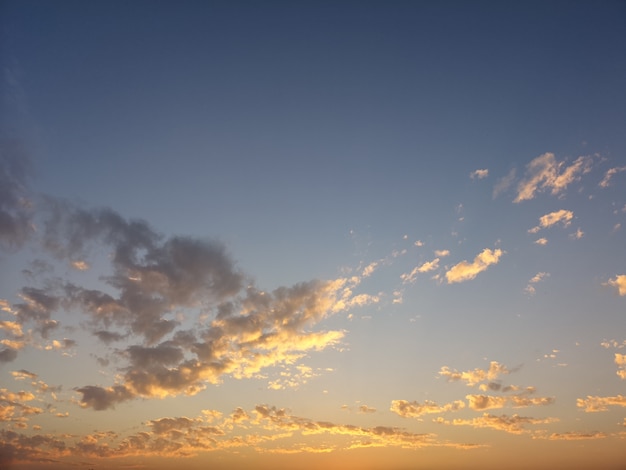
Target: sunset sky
(312, 234)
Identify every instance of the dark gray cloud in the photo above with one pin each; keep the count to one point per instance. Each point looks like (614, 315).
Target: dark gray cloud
(108, 336)
(100, 398)
(8, 355)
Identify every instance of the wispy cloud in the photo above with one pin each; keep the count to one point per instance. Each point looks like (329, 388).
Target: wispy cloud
(465, 271)
(563, 216)
(606, 181)
(576, 436)
(504, 183)
(413, 409)
(540, 276)
(546, 173)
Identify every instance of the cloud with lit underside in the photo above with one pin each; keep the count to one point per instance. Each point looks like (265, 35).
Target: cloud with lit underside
(593, 404)
(466, 271)
(184, 437)
(475, 376)
(239, 330)
(413, 409)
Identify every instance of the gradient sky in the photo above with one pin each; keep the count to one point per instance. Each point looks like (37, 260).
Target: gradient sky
(368, 235)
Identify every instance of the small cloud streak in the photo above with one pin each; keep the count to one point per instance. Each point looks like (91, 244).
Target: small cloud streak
(606, 181)
(474, 377)
(479, 174)
(465, 271)
(530, 288)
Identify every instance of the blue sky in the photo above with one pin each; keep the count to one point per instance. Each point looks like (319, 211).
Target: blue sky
(381, 231)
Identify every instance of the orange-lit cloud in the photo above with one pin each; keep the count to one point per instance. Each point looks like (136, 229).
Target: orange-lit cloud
(530, 288)
(546, 173)
(487, 402)
(423, 268)
(473, 377)
(479, 174)
(465, 271)
(620, 283)
(414, 409)
(594, 404)
(548, 220)
(514, 424)
(576, 436)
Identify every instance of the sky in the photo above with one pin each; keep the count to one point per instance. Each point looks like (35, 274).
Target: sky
(330, 234)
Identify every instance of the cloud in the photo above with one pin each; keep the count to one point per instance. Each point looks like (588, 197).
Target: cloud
(100, 398)
(620, 283)
(423, 268)
(250, 333)
(594, 404)
(546, 173)
(613, 344)
(540, 276)
(184, 437)
(606, 181)
(366, 409)
(465, 271)
(473, 377)
(576, 436)
(486, 402)
(442, 253)
(479, 174)
(414, 409)
(620, 360)
(514, 424)
(577, 235)
(541, 241)
(552, 218)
